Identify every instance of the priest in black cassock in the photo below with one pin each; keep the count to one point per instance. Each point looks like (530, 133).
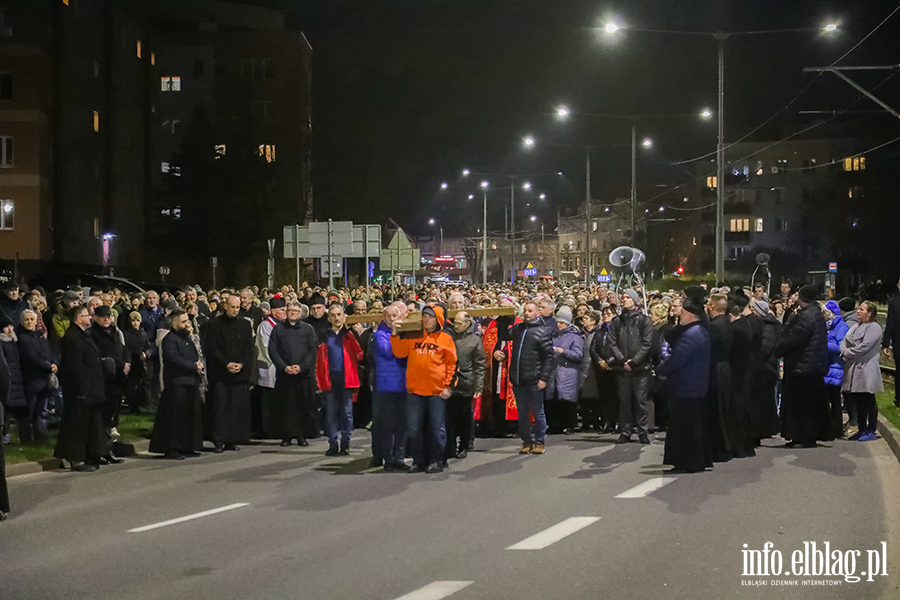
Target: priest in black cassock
(178, 428)
(686, 370)
(721, 339)
(4, 392)
(740, 361)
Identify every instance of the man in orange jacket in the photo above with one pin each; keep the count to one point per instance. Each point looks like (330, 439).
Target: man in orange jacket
(430, 366)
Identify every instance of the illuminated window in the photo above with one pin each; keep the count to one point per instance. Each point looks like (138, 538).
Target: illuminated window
(781, 224)
(740, 225)
(96, 227)
(165, 167)
(494, 246)
(524, 248)
(857, 163)
(759, 225)
(6, 152)
(267, 151)
(153, 58)
(7, 214)
(96, 121)
(170, 84)
(220, 150)
(711, 182)
(139, 48)
(66, 2)
(759, 167)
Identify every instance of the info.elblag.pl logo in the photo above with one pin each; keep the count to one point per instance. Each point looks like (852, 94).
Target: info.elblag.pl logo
(813, 561)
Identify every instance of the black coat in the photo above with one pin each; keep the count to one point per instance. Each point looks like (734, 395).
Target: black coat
(771, 335)
(892, 326)
(37, 359)
(293, 345)
(229, 340)
(16, 394)
(320, 326)
(180, 358)
(81, 368)
(111, 345)
(532, 353)
(631, 338)
(137, 343)
(255, 314)
(804, 343)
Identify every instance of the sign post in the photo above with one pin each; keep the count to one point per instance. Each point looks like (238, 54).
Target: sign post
(604, 277)
(214, 261)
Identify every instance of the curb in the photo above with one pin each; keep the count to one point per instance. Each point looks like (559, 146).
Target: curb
(53, 464)
(890, 434)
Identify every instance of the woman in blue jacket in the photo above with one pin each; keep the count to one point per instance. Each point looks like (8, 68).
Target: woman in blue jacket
(566, 376)
(837, 329)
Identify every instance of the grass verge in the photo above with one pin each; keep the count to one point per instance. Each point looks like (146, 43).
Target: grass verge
(886, 407)
(132, 428)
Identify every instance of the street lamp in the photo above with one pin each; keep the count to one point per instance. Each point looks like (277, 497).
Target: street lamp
(444, 186)
(830, 27)
(465, 172)
(562, 112)
(705, 113)
(526, 186)
(441, 226)
(484, 189)
(528, 141)
(647, 143)
(611, 28)
(543, 196)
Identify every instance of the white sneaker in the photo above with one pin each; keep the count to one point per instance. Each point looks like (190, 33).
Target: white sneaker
(114, 432)
(6, 439)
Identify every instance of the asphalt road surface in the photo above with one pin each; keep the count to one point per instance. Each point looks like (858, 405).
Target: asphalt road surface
(589, 519)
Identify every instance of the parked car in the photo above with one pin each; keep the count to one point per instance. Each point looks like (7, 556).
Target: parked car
(62, 280)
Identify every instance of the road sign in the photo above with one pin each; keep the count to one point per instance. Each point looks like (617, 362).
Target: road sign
(604, 277)
(296, 238)
(400, 260)
(164, 270)
(336, 267)
(399, 241)
(331, 238)
(370, 235)
(214, 260)
(832, 267)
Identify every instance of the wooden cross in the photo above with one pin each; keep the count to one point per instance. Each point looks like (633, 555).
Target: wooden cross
(413, 321)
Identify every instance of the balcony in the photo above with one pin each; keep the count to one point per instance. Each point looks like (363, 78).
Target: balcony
(737, 236)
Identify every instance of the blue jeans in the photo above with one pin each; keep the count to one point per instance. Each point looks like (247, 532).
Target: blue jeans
(415, 414)
(530, 399)
(389, 426)
(339, 414)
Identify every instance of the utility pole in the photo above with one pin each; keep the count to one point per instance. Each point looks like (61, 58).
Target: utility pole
(512, 228)
(720, 167)
(587, 213)
(633, 180)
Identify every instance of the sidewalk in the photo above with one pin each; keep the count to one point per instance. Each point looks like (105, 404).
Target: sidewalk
(52, 464)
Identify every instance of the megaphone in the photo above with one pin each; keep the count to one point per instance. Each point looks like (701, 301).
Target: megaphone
(637, 260)
(762, 259)
(621, 257)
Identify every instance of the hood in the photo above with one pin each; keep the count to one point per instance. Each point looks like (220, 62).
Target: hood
(8, 338)
(568, 329)
(850, 317)
(438, 313)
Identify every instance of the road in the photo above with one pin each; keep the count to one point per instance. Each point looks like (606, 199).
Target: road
(298, 525)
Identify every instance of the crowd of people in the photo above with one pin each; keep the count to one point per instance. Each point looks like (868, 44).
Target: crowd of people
(718, 369)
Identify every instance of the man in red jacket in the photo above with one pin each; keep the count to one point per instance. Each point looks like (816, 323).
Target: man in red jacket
(337, 375)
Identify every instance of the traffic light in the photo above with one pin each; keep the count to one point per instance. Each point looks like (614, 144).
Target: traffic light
(680, 270)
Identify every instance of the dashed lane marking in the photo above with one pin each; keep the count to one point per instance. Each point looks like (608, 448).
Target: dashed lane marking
(647, 488)
(198, 515)
(437, 590)
(554, 534)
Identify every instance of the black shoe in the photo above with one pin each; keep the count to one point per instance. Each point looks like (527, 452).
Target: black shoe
(415, 469)
(332, 451)
(302, 442)
(192, 454)
(285, 443)
(623, 439)
(644, 438)
(400, 467)
(232, 447)
(219, 449)
(375, 463)
(344, 452)
(3, 516)
(462, 454)
(471, 446)
(85, 468)
(445, 465)
(112, 459)
(566, 431)
(174, 455)
(99, 461)
(434, 468)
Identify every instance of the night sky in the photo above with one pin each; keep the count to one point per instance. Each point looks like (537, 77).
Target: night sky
(408, 93)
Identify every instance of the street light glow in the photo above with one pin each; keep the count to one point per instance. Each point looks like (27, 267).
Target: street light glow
(465, 172)
(706, 113)
(533, 218)
(559, 173)
(611, 28)
(444, 186)
(647, 143)
(830, 27)
(662, 208)
(431, 221)
(528, 141)
(562, 112)
(471, 196)
(526, 186)
(543, 196)
(484, 185)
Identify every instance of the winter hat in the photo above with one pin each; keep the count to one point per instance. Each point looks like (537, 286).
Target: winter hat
(833, 307)
(760, 306)
(693, 300)
(564, 314)
(4, 321)
(846, 304)
(808, 293)
(633, 295)
(102, 311)
(7, 285)
(265, 305)
(317, 298)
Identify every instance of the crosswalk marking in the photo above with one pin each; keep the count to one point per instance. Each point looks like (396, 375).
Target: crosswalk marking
(554, 534)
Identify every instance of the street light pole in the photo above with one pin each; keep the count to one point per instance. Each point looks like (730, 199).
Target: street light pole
(720, 167)
(512, 228)
(633, 179)
(587, 213)
(484, 239)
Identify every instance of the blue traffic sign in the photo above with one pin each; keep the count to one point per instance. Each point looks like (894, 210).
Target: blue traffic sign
(530, 272)
(601, 278)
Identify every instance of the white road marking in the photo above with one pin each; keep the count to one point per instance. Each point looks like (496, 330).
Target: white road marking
(554, 534)
(647, 488)
(437, 590)
(205, 513)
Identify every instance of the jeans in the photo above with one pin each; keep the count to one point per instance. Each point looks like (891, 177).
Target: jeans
(389, 426)
(459, 424)
(339, 414)
(530, 400)
(634, 401)
(867, 411)
(415, 414)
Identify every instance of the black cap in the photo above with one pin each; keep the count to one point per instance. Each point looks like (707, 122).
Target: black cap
(70, 296)
(694, 300)
(103, 311)
(277, 302)
(846, 304)
(808, 293)
(317, 298)
(7, 285)
(4, 321)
